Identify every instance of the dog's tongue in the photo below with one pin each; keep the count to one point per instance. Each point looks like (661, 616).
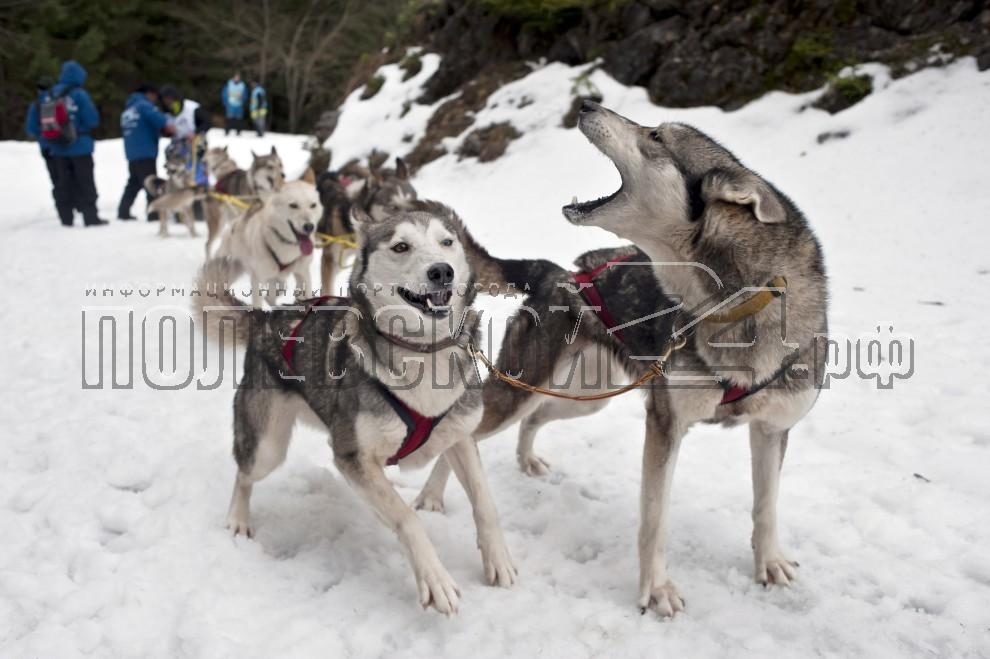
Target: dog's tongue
(305, 245)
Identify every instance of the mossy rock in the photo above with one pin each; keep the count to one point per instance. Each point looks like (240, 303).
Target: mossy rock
(488, 143)
(372, 87)
(411, 65)
(844, 92)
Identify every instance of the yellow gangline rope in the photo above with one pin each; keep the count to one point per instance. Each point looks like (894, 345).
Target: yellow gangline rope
(345, 240)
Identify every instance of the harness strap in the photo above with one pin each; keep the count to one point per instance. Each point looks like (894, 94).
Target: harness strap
(289, 343)
(733, 392)
(282, 267)
(221, 184)
(752, 305)
(594, 298)
(418, 427)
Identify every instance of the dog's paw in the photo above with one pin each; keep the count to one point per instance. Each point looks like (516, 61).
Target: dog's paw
(533, 465)
(499, 569)
(665, 599)
(429, 502)
(240, 528)
(437, 589)
(773, 568)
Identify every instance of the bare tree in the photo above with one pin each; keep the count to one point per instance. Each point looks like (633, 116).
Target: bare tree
(293, 46)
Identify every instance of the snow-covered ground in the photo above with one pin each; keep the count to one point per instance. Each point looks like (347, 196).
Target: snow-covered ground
(112, 501)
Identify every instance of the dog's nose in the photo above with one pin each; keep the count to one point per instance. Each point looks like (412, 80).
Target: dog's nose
(308, 227)
(440, 273)
(589, 106)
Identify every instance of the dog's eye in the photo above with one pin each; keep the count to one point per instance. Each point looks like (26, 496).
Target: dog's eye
(293, 205)
(447, 242)
(312, 205)
(398, 248)
(655, 135)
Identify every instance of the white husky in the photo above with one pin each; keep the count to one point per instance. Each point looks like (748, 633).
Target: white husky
(274, 239)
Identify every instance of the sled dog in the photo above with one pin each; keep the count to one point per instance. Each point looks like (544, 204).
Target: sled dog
(716, 238)
(274, 239)
(366, 369)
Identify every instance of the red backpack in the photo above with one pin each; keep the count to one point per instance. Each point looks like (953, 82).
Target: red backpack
(56, 121)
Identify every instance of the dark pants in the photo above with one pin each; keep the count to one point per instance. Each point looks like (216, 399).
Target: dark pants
(259, 126)
(50, 164)
(75, 188)
(139, 170)
(233, 123)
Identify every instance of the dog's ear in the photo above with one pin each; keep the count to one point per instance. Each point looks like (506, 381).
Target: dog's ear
(274, 152)
(401, 170)
(745, 188)
(359, 220)
(354, 190)
(309, 176)
(225, 148)
(253, 154)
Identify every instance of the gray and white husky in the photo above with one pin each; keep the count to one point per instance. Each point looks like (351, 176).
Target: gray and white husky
(386, 372)
(709, 229)
(174, 197)
(266, 175)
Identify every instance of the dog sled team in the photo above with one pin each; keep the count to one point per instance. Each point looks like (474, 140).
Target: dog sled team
(697, 329)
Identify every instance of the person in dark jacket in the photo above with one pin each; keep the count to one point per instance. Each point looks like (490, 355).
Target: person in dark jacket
(74, 185)
(33, 125)
(141, 124)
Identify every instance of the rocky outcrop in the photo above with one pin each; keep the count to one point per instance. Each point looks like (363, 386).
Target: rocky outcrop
(705, 52)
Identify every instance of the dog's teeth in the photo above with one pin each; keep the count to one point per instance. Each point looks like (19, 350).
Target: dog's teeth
(429, 301)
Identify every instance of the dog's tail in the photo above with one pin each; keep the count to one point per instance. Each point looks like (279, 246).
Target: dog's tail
(495, 275)
(154, 185)
(216, 306)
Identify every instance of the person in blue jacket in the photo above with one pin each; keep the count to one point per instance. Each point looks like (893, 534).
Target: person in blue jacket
(33, 125)
(74, 185)
(234, 96)
(141, 124)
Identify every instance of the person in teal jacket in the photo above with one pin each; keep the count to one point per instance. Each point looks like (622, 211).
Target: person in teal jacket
(234, 96)
(259, 107)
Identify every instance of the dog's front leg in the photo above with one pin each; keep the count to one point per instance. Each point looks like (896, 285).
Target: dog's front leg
(656, 590)
(768, 445)
(431, 496)
(435, 585)
(303, 282)
(256, 296)
(463, 458)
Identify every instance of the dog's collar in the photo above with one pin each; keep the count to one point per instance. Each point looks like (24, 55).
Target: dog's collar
(283, 238)
(425, 348)
(751, 306)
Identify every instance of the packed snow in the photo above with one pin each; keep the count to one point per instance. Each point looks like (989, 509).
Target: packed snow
(112, 500)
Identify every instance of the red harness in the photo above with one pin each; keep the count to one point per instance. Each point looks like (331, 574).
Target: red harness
(221, 183)
(591, 295)
(418, 427)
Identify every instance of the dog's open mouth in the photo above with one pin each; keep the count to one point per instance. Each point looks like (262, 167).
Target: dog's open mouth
(578, 210)
(433, 303)
(305, 241)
